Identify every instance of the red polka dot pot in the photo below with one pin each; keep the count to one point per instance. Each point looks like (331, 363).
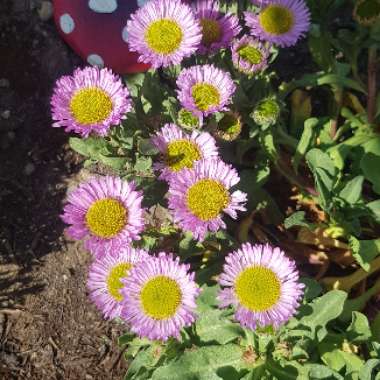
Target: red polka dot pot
(95, 30)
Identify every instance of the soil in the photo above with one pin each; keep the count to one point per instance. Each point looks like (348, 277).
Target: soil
(48, 328)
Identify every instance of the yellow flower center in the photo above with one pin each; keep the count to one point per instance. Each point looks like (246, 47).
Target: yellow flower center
(205, 96)
(106, 217)
(113, 280)
(276, 19)
(164, 36)
(182, 154)
(161, 297)
(211, 31)
(90, 105)
(207, 198)
(257, 288)
(250, 54)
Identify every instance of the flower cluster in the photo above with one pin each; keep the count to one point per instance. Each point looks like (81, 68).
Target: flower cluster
(156, 294)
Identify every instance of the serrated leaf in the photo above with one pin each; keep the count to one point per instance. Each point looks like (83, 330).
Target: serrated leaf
(321, 311)
(214, 326)
(364, 251)
(359, 330)
(203, 363)
(352, 192)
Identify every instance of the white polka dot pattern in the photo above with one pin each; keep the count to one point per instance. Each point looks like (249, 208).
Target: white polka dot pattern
(124, 34)
(103, 6)
(66, 23)
(95, 60)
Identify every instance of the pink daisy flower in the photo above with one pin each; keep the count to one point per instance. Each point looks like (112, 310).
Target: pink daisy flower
(163, 32)
(181, 150)
(218, 29)
(198, 197)
(105, 211)
(281, 22)
(89, 101)
(249, 55)
(159, 298)
(106, 276)
(205, 89)
(263, 285)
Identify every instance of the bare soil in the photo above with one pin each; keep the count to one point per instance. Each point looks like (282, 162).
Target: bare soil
(48, 328)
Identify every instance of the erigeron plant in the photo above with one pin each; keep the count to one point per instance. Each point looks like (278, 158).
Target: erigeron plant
(196, 145)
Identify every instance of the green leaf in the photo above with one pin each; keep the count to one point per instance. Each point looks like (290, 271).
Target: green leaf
(320, 47)
(89, 147)
(214, 326)
(312, 289)
(296, 219)
(358, 303)
(143, 364)
(370, 164)
(374, 208)
(375, 327)
(316, 158)
(321, 311)
(359, 330)
(367, 372)
(334, 360)
(146, 148)
(203, 363)
(324, 172)
(207, 299)
(305, 142)
(364, 251)
(143, 164)
(117, 163)
(289, 372)
(321, 372)
(352, 192)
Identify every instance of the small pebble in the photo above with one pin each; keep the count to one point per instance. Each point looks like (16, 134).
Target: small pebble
(6, 114)
(46, 10)
(29, 168)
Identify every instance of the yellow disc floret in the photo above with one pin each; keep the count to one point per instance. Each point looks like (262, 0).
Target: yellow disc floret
(258, 288)
(276, 19)
(207, 198)
(113, 280)
(160, 297)
(205, 96)
(182, 154)
(250, 54)
(211, 31)
(90, 105)
(164, 36)
(106, 217)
